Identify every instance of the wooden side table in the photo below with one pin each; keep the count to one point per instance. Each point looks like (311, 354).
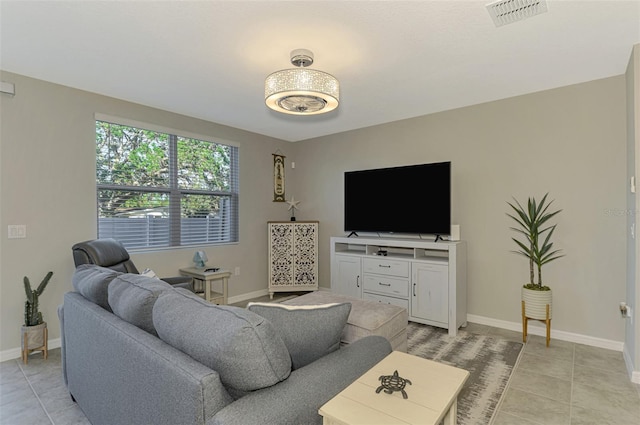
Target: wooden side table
(205, 279)
(432, 395)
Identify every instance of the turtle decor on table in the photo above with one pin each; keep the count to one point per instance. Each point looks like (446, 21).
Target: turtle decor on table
(391, 383)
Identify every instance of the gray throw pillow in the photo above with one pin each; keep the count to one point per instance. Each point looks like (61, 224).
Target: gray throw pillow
(92, 282)
(241, 346)
(132, 296)
(309, 331)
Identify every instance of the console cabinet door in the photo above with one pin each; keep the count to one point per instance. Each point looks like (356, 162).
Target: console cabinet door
(347, 276)
(430, 292)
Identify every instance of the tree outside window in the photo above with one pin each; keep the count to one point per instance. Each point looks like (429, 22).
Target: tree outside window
(159, 190)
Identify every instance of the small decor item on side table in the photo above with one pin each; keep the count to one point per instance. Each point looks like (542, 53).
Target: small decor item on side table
(200, 258)
(293, 205)
(34, 331)
(391, 383)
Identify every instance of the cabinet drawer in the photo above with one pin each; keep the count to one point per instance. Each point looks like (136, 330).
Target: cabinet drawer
(386, 285)
(387, 300)
(386, 267)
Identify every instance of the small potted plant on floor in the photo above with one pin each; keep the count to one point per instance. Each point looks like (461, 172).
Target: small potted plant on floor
(34, 330)
(536, 231)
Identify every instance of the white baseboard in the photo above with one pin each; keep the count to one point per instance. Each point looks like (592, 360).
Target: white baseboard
(245, 297)
(634, 374)
(257, 294)
(16, 353)
(537, 329)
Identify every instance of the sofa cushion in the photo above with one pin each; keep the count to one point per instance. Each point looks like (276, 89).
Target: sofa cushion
(243, 347)
(92, 282)
(132, 296)
(309, 331)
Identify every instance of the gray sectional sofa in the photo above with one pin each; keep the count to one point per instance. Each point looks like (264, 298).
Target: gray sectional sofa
(137, 351)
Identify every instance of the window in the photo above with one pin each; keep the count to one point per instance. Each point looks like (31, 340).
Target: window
(157, 189)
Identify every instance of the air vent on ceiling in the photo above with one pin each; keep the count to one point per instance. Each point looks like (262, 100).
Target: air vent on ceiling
(508, 11)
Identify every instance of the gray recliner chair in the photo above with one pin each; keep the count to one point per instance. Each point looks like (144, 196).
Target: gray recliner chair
(112, 254)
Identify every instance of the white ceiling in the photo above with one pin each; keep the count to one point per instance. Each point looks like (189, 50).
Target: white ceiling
(394, 59)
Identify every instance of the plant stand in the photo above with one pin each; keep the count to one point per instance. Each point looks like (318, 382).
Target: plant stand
(525, 323)
(34, 338)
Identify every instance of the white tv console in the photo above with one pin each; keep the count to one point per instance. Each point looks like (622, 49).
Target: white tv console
(427, 278)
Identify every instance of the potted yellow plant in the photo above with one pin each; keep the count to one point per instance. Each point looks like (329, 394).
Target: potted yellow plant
(34, 330)
(533, 225)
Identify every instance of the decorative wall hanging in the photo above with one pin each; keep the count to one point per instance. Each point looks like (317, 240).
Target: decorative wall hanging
(278, 178)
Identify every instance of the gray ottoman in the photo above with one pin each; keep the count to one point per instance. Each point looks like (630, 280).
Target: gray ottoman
(366, 318)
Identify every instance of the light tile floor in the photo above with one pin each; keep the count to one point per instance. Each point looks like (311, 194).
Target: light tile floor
(566, 383)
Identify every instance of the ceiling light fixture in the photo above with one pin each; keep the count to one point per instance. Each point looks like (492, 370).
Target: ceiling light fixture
(301, 91)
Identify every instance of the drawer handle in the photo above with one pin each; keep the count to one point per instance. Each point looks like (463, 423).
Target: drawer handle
(358, 281)
(384, 284)
(414, 289)
(386, 267)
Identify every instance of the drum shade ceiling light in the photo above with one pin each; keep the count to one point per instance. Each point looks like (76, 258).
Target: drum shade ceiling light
(301, 91)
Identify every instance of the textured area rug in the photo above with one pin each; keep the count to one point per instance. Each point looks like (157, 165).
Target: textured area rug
(489, 360)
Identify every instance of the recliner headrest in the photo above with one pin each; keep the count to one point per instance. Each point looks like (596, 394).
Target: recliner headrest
(103, 252)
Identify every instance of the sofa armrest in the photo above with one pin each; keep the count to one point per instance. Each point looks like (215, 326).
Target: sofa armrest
(145, 379)
(297, 399)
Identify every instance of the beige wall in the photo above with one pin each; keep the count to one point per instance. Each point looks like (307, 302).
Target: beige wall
(47, 172)
(569, 142)
(632, 334)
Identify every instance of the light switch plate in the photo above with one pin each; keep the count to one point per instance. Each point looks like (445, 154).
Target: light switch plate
(17, 231)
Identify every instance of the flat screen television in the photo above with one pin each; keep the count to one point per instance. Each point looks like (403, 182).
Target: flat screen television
(413, 199)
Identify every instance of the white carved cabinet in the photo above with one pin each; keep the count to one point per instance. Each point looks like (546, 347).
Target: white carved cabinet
(293, 256)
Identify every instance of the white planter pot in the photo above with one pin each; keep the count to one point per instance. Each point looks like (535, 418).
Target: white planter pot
(33, 336)
(535, 303)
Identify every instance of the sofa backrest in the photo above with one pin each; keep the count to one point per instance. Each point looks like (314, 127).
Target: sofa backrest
(132, 296)
(129, 296)
(92, 282)
(243, 347)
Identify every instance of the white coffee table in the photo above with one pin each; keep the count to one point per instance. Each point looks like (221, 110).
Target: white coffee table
(432, 395)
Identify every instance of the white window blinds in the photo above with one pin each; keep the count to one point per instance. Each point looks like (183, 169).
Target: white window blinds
(157, 189)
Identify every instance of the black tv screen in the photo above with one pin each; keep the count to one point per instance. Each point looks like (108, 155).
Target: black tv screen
(406, 199)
